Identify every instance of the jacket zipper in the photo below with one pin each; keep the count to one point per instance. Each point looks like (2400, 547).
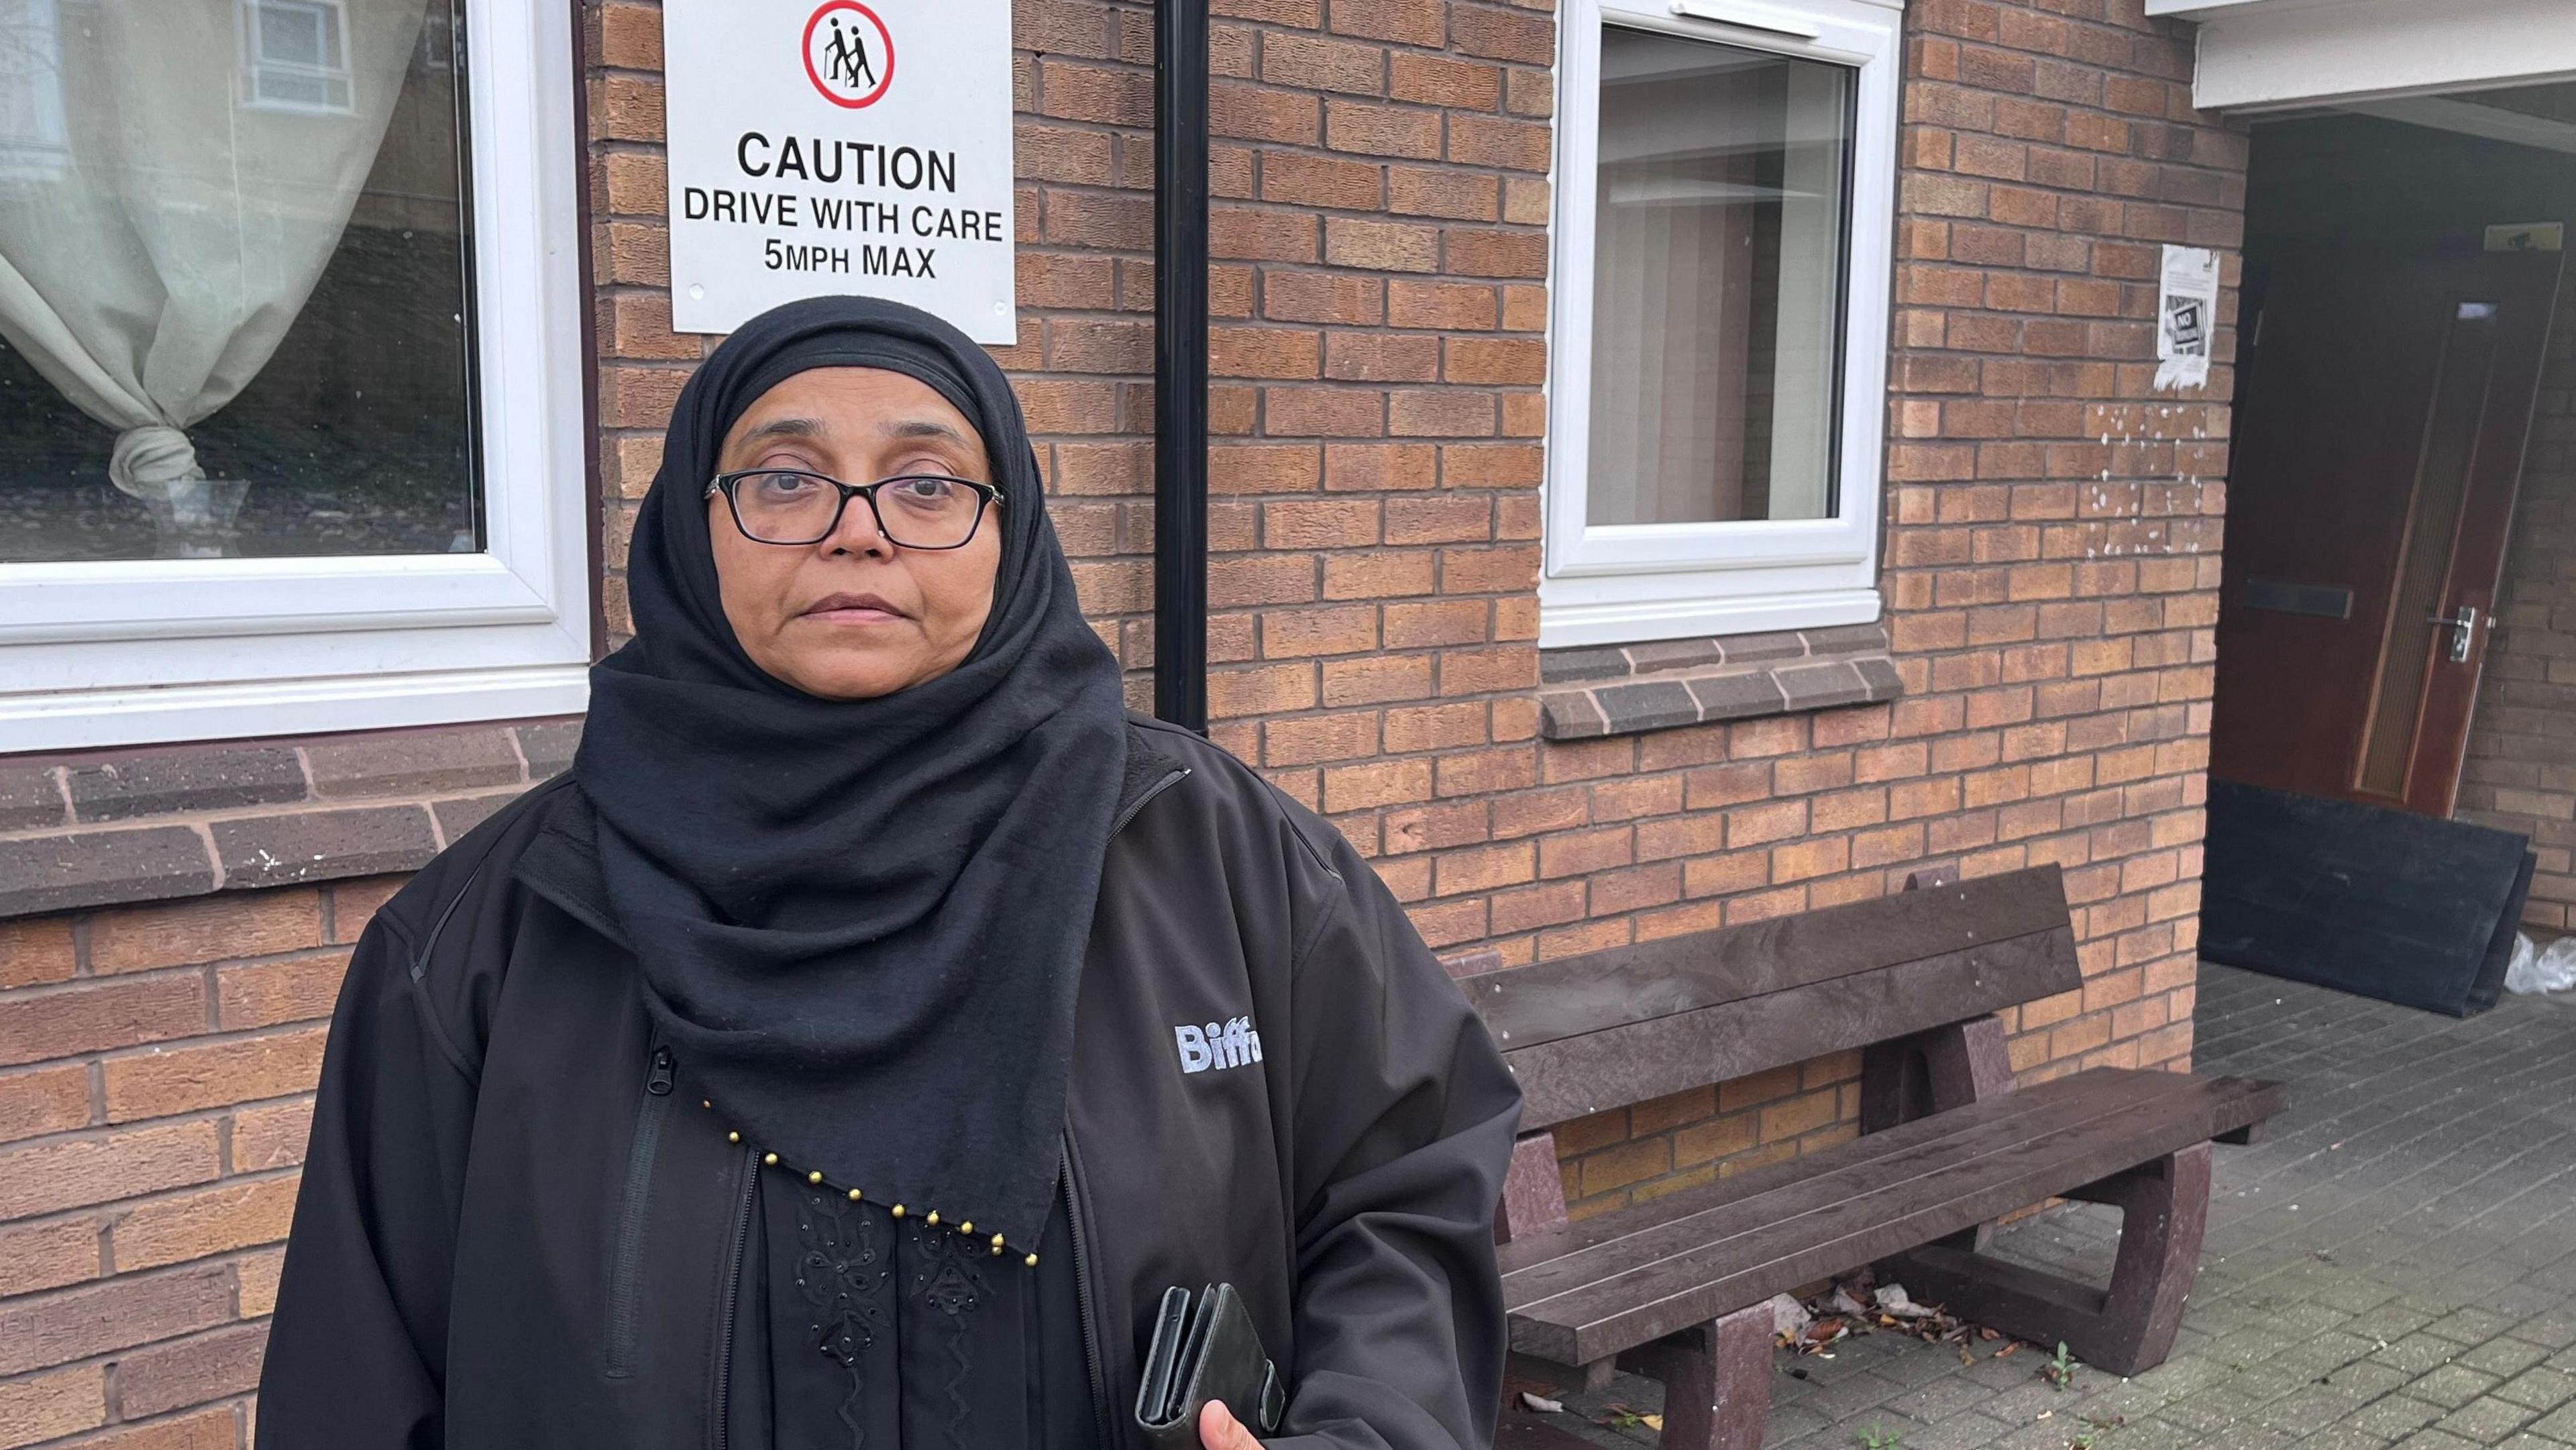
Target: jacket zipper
(1073, 1210)
(1128, 812)
(1082, 1298)
(733, 1300)
(626, 1273)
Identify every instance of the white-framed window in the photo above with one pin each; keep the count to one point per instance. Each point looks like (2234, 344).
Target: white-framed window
(316, 464)
(295, 55)
(1725, 195)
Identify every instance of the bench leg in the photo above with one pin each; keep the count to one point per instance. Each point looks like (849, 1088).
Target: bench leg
(1533, 1190)
(1716, 1378)
(1932, 1072)
(2164, 1209)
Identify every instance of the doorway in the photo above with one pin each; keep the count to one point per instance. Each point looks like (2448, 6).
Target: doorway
(2389, 735)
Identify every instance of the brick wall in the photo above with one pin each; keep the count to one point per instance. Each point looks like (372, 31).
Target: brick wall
(160, 1063)
(157, 1060)
(1380, 172)
(2521, 769)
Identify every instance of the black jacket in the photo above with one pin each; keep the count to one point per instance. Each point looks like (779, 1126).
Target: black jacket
(517, 1228)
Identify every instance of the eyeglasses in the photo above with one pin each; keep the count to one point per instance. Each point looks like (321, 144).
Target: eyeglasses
(916, 510)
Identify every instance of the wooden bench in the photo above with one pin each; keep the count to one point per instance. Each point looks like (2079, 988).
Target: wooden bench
(1678, 1287)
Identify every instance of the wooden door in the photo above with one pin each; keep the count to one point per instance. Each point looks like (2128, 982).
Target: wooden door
(2379, 442)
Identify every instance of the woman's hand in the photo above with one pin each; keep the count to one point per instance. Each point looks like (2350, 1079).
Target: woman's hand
(1219, 1430)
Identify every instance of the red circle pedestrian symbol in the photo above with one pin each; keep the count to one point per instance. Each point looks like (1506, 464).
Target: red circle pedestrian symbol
(849, 54)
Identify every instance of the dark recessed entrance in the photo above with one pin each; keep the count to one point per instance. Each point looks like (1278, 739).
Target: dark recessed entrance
(2393, 752)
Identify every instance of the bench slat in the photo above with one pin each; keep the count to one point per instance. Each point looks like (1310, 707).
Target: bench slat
(1527, 1006)
(1597, 1250)
(1594, 1248)
(1768, 1244)
(1575, 1077)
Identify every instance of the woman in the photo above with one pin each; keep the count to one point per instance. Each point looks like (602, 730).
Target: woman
(873, 1023)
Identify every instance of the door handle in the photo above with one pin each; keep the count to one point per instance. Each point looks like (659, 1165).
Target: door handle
(2464, 630)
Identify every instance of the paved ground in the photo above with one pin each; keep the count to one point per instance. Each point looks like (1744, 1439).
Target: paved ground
(2394, 1265)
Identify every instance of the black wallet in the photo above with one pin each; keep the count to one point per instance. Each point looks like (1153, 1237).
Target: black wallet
(1202, 1351)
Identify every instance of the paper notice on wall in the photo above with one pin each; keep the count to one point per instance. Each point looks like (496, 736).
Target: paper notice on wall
(2186, 316)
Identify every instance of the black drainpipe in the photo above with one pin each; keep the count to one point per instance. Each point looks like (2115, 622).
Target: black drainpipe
(1180, 361)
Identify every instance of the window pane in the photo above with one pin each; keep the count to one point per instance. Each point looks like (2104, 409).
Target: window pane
(246, 327)
(291, 34)
(1718, 264)
(287, 87)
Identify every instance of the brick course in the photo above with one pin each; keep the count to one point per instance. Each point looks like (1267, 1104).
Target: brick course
(1380, 174)
(111, 826)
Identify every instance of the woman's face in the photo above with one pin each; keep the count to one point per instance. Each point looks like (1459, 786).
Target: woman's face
(855, 616)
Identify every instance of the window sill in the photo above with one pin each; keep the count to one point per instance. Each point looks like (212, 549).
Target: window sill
(1585, 694)
(112, 827)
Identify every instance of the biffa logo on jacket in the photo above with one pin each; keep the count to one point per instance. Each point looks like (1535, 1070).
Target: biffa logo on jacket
(1217, 1045)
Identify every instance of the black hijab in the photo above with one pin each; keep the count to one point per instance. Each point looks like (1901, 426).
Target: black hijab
(861, 921)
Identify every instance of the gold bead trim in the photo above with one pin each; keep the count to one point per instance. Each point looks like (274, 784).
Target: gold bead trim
(814, 1178)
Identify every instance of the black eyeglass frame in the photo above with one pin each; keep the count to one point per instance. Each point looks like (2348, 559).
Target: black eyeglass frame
(987, 498)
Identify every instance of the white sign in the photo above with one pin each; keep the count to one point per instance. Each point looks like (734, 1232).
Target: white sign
(2186, 316)
(833, 146)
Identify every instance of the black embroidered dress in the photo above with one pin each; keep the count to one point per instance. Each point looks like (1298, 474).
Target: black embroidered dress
(857, 1330)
